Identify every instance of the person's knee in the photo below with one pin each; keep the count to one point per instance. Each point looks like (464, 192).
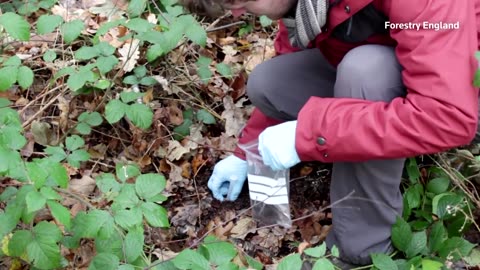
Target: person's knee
(369, 72)
(259, 84)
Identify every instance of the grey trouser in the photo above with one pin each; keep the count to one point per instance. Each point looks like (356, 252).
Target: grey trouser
(281, 86)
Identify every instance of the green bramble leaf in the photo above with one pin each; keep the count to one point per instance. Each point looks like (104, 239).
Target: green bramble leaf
(74, 142)
(104, 49)
(430, 265)
(224, 70)
(71, 30)
(106, 63)
(43, 249)
(25, 77)
(149, 185)
(217, 252)
(196, 33)
(189, 259)
(115, 110)
(323, 264)
(104, 261)
(136, 7)
(125, 172)
(16, 26)
(291, 262)
(133, 245)
(316, 252)
(401, 234)
(47, 23)
(265, 21)
(83, 128)
(139, 25)
(382, 261)
(130, 96)
(60, 213)
(78, 156)
(35, 201)
(155, 214)
(91, 118)
(49, 56)
(8, 76)
(140, 115)
(206, 117)
(86, 53)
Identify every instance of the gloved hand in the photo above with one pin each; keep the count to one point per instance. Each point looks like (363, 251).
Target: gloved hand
(228, 177)
(276, 145)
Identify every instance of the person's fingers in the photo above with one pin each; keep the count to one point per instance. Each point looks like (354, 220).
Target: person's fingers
(224, 188)
(214, 184)
(235, 190)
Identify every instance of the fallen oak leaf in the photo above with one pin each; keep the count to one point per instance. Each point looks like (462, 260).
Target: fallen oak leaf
(129, 54)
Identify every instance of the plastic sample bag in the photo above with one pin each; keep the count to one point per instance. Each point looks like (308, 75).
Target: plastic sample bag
(268, 189)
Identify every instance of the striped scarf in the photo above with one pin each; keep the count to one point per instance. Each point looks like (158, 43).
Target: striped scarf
(310, 17)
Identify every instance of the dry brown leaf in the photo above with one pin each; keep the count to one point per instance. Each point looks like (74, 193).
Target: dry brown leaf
(234, 118)
(175, 114)
(129, 54)
(164, 255)
(164, 83)
(186, 169)
(243, 227)
(175, 150)
(303, 246)
(83, 186)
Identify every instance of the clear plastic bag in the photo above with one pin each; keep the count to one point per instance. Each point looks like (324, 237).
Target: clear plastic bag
(268, 189)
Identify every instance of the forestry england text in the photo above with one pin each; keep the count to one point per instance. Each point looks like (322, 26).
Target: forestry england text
(423, 25)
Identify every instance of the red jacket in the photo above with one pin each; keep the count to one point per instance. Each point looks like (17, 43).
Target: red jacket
(440, 109)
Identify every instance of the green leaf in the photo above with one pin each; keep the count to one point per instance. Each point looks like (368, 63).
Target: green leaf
(129, 218)
(8, 193)
(438, 185)
(413, 195)
(140, 71)
(47, 23)
(8, 76)
(473, 259)
(86, 53)
(74, 142)
(183, 130)
(291, 262)
(49, 56)
(25, 77)
(16, 26)
(149, 185)
(155, 215)
(58, 174)
(383, 262)
(93, 119)
(50, 194)
(104, 223)
(224, 70)
(401, 234)
(412, 170)
(139, 25)
(102, 84)
(316, 252)
(265, 21)
(204, 73)
(17, 246)
(106, 182)
(83, 128)
(140, 115)
(133, 245)
(13, 61)
(43, 250)
(11, 138)
(78, 79)
(154, 52)
(476, 79)
(253, 263)
(204, 116)
(438, 234)
(104, 261)
(4, 102)
(431, 265)
(35, 201)
(218, 252)
(335, 252)
(106, 63)
(148, 81)
(445, 205)
(125, 171)
(60, 213)
(132, 79)
(189, 259)
(455, 247)
(196, 33)
(57, 153)
(37, 173)
(127, 198)
(115, 110)
(78, 156)
(323, 264)
(105, 49)
(136, 7)
(417, 245)
(71, 30)
(128, 97)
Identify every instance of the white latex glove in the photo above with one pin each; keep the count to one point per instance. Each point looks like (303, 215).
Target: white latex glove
(228, 178)
(276, 145)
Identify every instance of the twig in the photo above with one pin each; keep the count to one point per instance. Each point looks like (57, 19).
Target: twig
(196, 191)
(26, 123)
(225, 26)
